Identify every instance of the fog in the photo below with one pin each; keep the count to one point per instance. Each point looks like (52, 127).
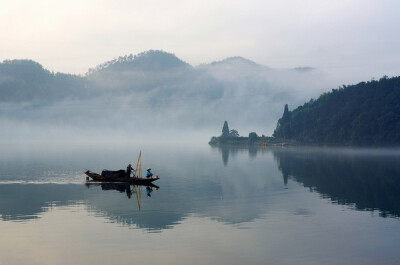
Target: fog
(153, 96)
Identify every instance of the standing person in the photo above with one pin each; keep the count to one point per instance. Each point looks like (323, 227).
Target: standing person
(149, 174)
(129, 170)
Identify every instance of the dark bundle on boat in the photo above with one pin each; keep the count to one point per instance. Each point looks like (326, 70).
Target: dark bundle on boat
(110, 174)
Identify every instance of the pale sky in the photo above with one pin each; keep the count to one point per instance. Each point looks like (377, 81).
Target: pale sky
(343, 36)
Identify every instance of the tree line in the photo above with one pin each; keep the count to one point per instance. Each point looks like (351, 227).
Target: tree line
(232, 137)
(366, 114)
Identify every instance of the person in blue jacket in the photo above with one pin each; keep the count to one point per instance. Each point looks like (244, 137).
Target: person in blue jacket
(149, 174)
(149, 190)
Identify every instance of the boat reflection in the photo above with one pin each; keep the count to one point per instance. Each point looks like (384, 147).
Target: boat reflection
(128, 189)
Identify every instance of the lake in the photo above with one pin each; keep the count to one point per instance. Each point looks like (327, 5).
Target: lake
(213, 205)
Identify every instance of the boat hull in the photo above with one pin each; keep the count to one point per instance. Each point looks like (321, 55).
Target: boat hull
(100, 178)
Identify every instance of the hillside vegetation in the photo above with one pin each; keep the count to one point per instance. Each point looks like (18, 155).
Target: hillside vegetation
(366, 114)
(26, 80)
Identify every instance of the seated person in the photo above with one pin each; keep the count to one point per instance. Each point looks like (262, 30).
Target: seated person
(149, 174)
(149, 190)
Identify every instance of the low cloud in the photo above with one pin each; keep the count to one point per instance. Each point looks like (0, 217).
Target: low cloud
(155, 95)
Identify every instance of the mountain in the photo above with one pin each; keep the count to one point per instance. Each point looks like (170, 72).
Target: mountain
(149, 61)
(364, 114)
(237, 61)
(236, 66)
(26, 80)
(152, 89)
(156, 74)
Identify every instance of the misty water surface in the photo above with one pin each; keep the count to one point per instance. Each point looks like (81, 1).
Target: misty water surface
(214, 206)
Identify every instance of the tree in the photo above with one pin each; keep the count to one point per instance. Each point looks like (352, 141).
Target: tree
(234, 133)
(286, 111)
(225, 129)
(284, 126)
(252, 137)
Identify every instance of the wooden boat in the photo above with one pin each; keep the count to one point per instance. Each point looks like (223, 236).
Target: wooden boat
(136, 179)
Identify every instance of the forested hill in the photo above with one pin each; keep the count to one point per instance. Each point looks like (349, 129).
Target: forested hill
(366, 114)
(151, 60)
(26, 80)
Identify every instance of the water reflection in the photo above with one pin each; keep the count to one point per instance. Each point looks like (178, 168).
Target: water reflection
(366, 178)
(369, 180)
(159, 209)
(244, 187)
(227, 151)
(20, 202)
(27, 202)
(237, 210)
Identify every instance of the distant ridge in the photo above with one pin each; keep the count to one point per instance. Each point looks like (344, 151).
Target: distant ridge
(152, 60)
(235, 60)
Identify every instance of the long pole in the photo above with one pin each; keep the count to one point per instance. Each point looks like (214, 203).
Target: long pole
(138, 173)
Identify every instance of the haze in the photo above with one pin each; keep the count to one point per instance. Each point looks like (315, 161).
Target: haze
(298, 50)
(341, 36)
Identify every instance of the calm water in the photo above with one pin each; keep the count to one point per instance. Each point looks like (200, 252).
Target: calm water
(214, 206)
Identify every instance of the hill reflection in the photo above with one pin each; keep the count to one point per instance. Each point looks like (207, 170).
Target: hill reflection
(369, 180)
(23, 202)
(233, 151)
